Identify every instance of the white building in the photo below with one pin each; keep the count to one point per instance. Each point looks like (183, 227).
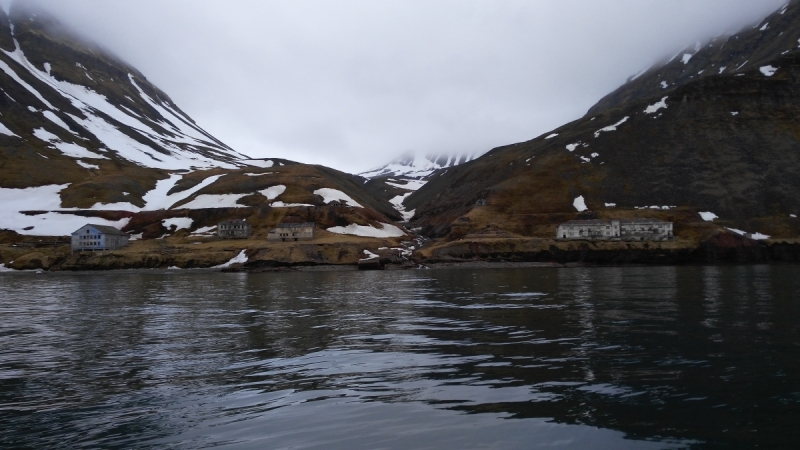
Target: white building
(98, 237)
(293, 232)
(623, 229)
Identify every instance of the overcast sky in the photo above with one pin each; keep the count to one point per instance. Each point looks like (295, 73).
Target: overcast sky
(354, 84)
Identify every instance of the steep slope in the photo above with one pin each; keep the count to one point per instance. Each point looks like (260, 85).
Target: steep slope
(727, 144)
(397, 180)
(69, 98)
(84, 134)
(776, 35)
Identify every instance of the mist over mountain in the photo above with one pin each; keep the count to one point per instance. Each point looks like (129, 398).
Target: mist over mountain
(719, 135)
(85, 136)
(749, 49)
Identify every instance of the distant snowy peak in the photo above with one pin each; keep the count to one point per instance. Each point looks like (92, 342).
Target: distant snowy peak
(87, 102)
(418, 166)
(755, 48)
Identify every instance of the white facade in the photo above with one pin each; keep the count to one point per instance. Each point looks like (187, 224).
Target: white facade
(98, 237)
(627, 230)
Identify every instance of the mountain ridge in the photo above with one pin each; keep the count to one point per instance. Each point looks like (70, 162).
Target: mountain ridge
(84, 136)
(749, 48)
(724, 143)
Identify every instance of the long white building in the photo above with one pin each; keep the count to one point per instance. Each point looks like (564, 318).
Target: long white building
(623, 229)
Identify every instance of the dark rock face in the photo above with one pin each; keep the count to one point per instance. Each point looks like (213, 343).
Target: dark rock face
(727, 143)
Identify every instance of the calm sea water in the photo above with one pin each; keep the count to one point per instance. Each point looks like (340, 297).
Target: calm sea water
(608, 358)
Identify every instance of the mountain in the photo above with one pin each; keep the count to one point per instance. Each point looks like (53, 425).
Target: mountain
(397, 180)
(85, 136)
(749, 50)
(724, 142)
(417, 166)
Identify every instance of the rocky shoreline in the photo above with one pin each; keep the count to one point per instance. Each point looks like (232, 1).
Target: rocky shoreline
(580, 255)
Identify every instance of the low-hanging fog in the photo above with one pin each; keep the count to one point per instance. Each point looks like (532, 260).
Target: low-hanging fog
(352, 84)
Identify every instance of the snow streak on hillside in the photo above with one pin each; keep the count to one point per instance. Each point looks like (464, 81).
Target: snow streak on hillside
(176, 142)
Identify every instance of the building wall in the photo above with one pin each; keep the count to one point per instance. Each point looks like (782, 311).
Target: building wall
(637, 231)
(235, 230)
(291, 234)
(94, 240)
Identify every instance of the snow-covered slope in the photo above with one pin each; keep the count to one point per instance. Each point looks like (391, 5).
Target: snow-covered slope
(396, 181)
(60, 93)
(418, 166)
(84, 137)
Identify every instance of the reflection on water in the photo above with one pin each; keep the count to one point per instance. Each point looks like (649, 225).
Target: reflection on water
(634, 357)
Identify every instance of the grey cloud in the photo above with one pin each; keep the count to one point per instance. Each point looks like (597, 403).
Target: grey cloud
(352, 84)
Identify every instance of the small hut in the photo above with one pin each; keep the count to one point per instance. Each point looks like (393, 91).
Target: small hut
(236, 229)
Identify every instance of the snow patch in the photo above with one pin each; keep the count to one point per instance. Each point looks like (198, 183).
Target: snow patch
(722, 69)
(370, 255)
(611, 127)
(572, 147)
(328, 195)
(734, 113)
(47, 224)
(411, 185)
(708, 216)
(52, 117)
(273, 192)
(611, 205)
(158, 198)
(258, 174)
(88, 166)
(656, 106)
(280, 204)
(579, 204)
(203, 230)
(552, 136)
(397, 202)
(664, 85)
(768, 71)
(179, 222)
(386, 231)
(241, 258)
(205, 201)
(686, 58)
(764, 28)
(264, 164)
(6, 131)
(754, 236)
